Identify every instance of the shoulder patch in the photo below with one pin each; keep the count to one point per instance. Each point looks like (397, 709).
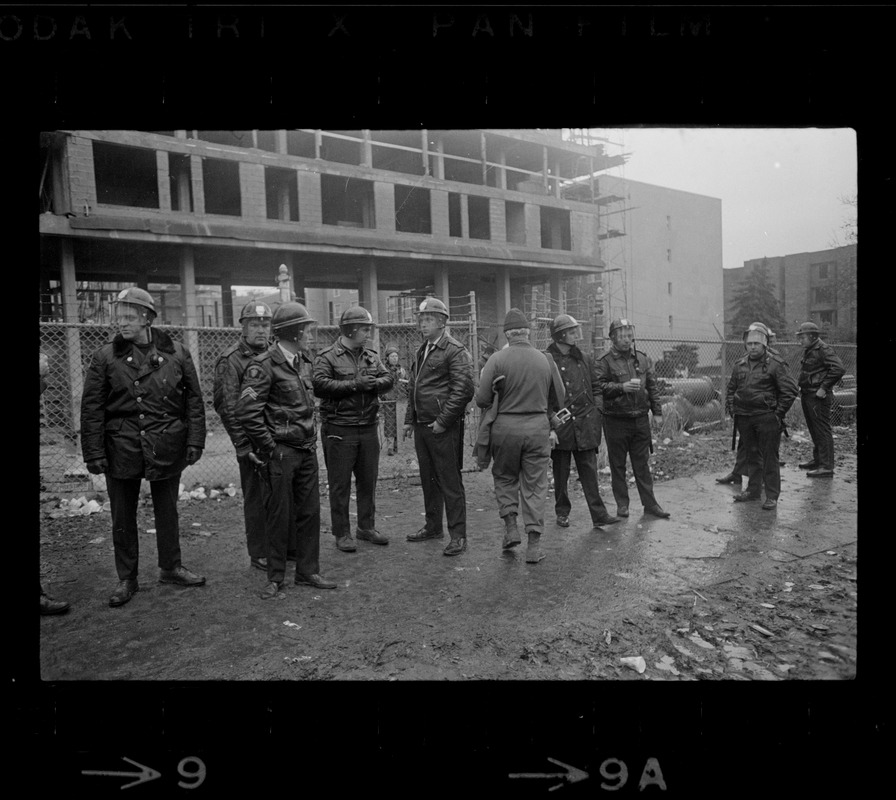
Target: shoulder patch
(253, 372)
(221, 367)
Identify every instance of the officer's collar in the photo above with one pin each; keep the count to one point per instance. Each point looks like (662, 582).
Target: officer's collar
(247, 348)
(160, 340)
(573, 351)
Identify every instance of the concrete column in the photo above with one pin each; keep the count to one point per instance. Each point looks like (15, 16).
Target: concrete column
(163, 180)
(482, 153)
(280, 140)
(188, 302)
(296, 275)
(440, 159)
(198, 188)
(366, 149)
(556, 177)
(318, 138)
(440, 283)
(497, 215)
(384, 207)
(255, 139)
(544, 168)
(502, 294)
(180, 134)
(227, 299)
(424, 146)
(502, 172)
(464, 217)
(72, 336)
(533, 224)
(368, 296)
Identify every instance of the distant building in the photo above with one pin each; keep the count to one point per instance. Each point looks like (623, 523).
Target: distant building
(817, 286)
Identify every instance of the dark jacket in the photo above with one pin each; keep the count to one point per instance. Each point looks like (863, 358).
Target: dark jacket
(442, 386)
(275, 403)
(613, 369)
(760, 387)
(142, 418)
(229, 371)
(820, 368)
(334, 378)
(583, 399)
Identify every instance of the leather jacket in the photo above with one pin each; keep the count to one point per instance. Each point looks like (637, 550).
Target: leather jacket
(441, 387)
(583, 399)
(820, 368)
(229, 371)
(615, 368)
(141, 410)
(275, 404)
(760, 387)
(334, 379)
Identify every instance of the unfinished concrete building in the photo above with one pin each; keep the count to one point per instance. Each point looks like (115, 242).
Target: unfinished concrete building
(381, 212)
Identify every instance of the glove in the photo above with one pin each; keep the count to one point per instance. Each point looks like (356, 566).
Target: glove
(407, 431)
(365, 382)
(496, 383)
(555, 440)
(193, 454)
(97, 466)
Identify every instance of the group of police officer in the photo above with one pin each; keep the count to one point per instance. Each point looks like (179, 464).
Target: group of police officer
(142, 416)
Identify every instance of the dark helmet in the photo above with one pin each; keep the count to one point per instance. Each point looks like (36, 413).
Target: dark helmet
(758, 327)
(136, 297)
(562, 323)
(255, 310)
(290, 313)
(808, 327)
(392, 348)
(616, 324)
(432, 305)
(356, 315)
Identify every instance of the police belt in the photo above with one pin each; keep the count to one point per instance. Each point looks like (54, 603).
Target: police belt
(304, 444)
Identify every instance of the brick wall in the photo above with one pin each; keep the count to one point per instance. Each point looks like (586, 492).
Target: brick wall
(252, 191)
(497, 219)
(533, 225)
(384, 202)
(79, 163)
(438, 203)
(309, 198)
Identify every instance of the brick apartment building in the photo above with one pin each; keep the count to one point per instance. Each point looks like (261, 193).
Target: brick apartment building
(817, 286)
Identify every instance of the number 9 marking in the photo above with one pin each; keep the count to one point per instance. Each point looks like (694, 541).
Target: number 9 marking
(196, 772)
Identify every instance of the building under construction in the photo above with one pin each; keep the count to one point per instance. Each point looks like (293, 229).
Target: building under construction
(386, 213)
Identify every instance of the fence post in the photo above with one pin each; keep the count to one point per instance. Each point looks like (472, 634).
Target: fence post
(72, 332)
(474, 332)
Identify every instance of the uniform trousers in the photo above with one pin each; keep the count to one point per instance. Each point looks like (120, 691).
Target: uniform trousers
(292, 506)
(440, 456)
(254, 490)
(817, 411)
(124, 494)
(629, 436)
(352, 450)
(586, 466)
(762, 436)
(521, 449)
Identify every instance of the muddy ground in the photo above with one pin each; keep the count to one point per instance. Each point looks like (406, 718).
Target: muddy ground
(719, 591)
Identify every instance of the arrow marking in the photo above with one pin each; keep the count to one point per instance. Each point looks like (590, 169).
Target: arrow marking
(145, 774)
(571, 775)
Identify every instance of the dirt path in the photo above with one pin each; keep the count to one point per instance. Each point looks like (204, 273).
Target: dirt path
(719, 591)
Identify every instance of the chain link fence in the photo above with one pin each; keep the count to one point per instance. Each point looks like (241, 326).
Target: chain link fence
(693, 375)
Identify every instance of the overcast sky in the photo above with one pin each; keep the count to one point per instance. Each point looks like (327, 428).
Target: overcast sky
(780, 188)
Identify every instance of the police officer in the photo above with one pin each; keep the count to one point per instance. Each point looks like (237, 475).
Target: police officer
(740, 460)
(276, 411)
(820, 369)
(348, 376)
(528, 386)
(580, 434)
(142, 416)
(760, 392)
(439, 388)
(627, 382)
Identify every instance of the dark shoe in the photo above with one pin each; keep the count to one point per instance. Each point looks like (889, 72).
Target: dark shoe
(808, 465)
(729, 478)
(181, 577)
(511, 533)
(770, 505)
(50, 606)
(621, 510)
(533, 549)
(314, 580)
(563, 520)
(271, 591)
(820, 473)
(291, 555)
(123, 593)
(371, 536)
(656, 511)
(455, 547)
(346, 544)
(259, 563)
(422, 535)
(606, 519)
(745, 497)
